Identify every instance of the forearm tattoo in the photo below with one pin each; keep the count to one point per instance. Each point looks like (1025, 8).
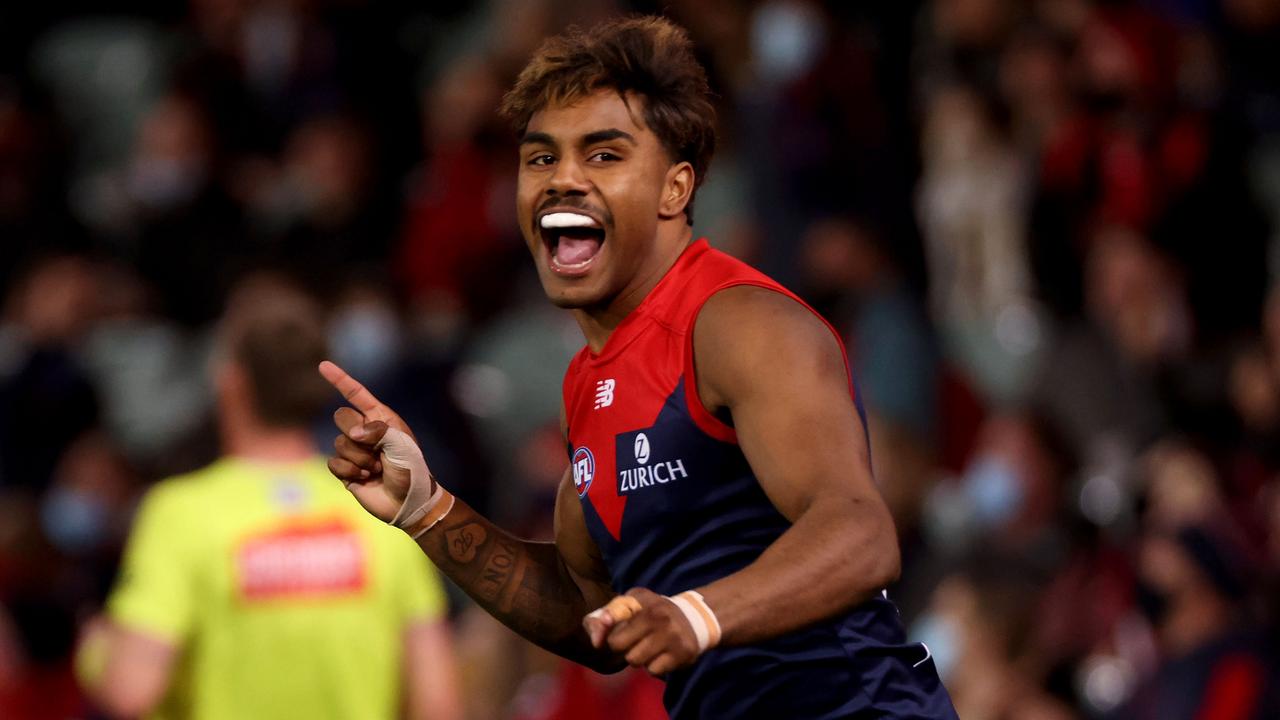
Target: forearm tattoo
(521, 583)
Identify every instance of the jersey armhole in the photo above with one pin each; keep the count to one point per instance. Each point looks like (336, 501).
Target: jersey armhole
(704, 418)
(569, 388)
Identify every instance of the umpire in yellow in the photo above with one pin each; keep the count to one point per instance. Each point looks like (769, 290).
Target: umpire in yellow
(256, 588)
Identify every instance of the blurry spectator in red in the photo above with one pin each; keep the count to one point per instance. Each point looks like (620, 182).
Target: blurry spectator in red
(580, 694)
(457, 212)
(1217, 664)
(1102, 165)
(36, 682)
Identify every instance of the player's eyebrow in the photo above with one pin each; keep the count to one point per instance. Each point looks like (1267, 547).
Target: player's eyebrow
(599, 136)
(537, 138)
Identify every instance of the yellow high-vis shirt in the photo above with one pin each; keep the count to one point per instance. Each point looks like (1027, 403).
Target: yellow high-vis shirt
(286, 599)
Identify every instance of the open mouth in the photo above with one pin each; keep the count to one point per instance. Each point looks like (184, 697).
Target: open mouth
(573, 239)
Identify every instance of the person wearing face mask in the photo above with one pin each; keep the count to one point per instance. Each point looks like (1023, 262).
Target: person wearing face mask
(256, 588)
(1216, 663)
(717, 523)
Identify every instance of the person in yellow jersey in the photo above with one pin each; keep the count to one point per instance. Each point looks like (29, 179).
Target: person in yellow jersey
(256, 588)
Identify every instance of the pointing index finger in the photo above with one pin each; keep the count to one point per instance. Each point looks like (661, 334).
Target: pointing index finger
(355, 393)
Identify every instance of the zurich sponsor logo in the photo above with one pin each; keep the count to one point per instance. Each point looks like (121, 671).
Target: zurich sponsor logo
(645, 475)
(642, 448)
(584, 470)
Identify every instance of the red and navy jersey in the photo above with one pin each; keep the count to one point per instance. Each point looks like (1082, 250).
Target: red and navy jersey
(673, 505)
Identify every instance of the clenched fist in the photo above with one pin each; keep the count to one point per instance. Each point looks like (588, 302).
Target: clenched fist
(649, 630)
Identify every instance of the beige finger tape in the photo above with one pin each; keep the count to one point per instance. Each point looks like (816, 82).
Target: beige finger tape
(620, 608)
(706, 628)
(400, 451)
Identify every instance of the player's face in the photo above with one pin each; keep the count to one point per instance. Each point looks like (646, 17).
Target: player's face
(588, 198)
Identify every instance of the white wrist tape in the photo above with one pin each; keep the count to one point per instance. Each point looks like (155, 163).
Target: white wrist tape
(400, 451)
(706, 628)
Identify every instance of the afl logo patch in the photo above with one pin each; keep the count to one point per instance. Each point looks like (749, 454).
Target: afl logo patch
(584, 469)
(642, 448)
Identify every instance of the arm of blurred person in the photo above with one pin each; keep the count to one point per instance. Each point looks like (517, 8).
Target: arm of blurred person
(125, 673)
(541, 590)
(430, 677)
(127, 657)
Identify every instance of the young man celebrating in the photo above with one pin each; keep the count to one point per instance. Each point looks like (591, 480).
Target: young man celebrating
(718, 524)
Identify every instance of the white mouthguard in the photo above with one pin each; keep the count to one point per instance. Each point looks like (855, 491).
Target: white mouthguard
(568, 219)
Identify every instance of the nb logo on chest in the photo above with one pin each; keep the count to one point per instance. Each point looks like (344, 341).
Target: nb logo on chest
(646, 475)
(604, 393)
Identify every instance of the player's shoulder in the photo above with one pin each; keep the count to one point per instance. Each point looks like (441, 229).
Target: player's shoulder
(750, 336)
(759, 314)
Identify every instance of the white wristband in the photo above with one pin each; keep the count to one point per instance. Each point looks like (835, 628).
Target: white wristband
(706, 628)
(400, 451)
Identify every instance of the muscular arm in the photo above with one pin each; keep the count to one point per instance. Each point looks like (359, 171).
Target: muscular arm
(540, 590)
(779, 371)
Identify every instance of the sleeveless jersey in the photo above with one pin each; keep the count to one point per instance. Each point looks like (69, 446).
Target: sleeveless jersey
(673, 505)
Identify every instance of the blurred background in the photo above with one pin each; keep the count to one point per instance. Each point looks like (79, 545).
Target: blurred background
(1048, 229)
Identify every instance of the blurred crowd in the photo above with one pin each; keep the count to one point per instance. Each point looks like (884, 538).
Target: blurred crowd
(1049, 230)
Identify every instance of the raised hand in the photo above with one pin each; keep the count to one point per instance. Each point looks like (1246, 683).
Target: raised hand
(360, 460)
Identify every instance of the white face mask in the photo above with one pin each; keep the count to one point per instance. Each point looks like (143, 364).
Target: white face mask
(365, 339)
(994, 490)
(76, 522)
(786, 38)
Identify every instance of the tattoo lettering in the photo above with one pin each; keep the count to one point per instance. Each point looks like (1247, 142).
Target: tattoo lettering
(464, 541)
(498, 569)
(523, 584)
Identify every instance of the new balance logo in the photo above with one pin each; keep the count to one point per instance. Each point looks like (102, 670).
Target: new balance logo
(604, 393)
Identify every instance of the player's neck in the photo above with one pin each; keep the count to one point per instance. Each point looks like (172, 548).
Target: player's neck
(599, 323)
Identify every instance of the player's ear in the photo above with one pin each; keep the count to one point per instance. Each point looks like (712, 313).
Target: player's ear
(676, 190)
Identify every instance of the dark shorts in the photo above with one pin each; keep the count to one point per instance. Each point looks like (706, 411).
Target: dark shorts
(820, 673)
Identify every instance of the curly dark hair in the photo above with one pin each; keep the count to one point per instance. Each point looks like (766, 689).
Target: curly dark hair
(647, 57)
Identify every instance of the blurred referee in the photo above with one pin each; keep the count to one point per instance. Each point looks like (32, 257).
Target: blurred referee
(257, 587)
